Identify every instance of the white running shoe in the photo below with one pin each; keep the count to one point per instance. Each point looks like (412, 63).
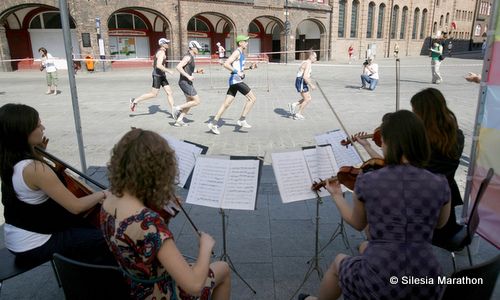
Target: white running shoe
(213, 128)
(243, 123)
(291, 108)
(176, 111)
(180, 124)
(298, 117)
(132, 104)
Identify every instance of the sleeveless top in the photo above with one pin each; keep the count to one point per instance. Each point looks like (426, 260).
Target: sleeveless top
(156, 71)
(238, 65)
(300, 73)
(188, 68)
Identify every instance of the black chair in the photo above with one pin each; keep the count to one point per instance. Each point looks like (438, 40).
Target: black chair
(10, 268)
(87, 281)
(463, 238)
(487, 272)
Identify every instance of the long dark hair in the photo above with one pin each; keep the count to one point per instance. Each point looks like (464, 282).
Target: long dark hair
(17, 122)
(439, 121)
(403, 134)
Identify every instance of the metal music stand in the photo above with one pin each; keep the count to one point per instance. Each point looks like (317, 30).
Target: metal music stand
(398, 81)
(339, 231)
(314, 261)
(225, 256)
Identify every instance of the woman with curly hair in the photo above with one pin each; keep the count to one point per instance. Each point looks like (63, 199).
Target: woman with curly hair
(447, 144)
(41, 214)
(142, 174)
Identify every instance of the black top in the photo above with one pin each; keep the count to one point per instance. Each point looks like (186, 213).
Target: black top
(188, 68)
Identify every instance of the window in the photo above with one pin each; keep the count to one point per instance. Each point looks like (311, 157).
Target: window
(416, 15)
(380, 21)
(196, 24)
(253, 28)
(404, 17)
(369, 26)
(341, 18)
(477, 31)
(126, 21)
(447, 18)
(49, 20)
(354, 19)
(394, 21)
(434, 28)
(422, 25)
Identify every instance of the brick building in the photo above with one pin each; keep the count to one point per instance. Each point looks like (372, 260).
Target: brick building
(130, 29)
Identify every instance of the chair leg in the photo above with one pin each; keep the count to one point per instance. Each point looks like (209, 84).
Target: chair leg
(454, 262)
(470, 256)
(55, 273)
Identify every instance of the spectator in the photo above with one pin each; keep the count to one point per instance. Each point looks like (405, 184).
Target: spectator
(370, 75)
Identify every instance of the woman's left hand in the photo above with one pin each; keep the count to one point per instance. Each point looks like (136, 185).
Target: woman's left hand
(333, 187)
(44, 143)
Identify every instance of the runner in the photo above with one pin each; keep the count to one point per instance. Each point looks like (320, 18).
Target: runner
(302, 84)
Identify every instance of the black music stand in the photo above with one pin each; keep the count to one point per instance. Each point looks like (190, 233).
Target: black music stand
(339, 231)
(398, 81)
(225, 256)
(314, 261)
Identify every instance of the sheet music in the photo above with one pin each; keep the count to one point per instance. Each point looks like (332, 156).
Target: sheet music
(292, 175)
(241, 185)
(223, 183)
(207, 184)
(326, 169)
(186, 155)
(343, 156)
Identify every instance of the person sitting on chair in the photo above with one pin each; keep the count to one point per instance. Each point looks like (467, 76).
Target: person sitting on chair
(142, 174)
(447, 145)
(402, 203)
(40, 212)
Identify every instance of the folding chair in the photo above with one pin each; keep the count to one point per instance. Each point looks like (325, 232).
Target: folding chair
(463, 238)
(487, 272)
(9, 268)
(88, 281)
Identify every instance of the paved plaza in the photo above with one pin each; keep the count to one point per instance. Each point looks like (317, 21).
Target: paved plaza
(271, 245)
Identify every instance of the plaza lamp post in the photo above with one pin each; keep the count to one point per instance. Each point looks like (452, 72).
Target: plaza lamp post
(287, 31)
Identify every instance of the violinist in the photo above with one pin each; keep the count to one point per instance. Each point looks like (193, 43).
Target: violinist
(402, 203)
(447, 145)
(142, 174)
(40, 212)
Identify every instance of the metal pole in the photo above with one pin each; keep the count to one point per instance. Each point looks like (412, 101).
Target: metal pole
(63, 6)
(287, 31)
(390, 29)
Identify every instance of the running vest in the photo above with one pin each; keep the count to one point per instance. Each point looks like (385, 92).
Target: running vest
(188, 68)
(156, 71)
(300, 73)
(238, 65)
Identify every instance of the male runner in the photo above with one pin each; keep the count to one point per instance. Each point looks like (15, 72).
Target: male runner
(236, 64)
(159, 77)
(302, 83)
(186, 67)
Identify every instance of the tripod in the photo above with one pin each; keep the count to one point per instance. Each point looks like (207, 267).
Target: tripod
(339, 231)
(225, 256)
(314, 261)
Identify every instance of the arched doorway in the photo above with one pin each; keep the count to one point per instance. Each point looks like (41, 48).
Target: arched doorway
(31, 26)
(134, 33)
(210, 28)
(309, 35)
(267, 34)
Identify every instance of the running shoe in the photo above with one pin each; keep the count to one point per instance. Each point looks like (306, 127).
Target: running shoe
(298, 117)
(180, 124)
(132, 104)
(213, 128)
(244, 124)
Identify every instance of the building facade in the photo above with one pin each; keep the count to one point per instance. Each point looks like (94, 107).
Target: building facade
(119, 30)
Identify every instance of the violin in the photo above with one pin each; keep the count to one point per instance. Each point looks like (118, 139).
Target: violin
(376, 137)
(347, 174)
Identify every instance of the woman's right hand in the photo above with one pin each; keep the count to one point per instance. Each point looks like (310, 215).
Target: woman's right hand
(206, 241)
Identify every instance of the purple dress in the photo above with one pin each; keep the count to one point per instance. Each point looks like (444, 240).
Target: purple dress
(402, 206)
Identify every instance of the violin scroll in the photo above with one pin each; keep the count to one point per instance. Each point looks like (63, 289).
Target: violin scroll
(376, 137)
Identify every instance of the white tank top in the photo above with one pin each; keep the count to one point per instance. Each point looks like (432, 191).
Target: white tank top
(17, 239)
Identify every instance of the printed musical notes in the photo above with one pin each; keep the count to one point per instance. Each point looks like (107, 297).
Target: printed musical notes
(221, 182)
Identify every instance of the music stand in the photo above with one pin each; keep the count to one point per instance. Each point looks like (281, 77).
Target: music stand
(225, 256)
(314, 261)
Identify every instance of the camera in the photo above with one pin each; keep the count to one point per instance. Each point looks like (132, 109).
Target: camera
(365, 62)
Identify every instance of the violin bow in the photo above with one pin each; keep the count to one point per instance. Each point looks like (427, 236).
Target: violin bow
(57, 160)
(337, 117)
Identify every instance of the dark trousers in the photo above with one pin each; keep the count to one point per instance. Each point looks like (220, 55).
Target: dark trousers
(85, 244)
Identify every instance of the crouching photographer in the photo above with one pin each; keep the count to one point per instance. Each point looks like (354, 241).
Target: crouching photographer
(369, 76)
